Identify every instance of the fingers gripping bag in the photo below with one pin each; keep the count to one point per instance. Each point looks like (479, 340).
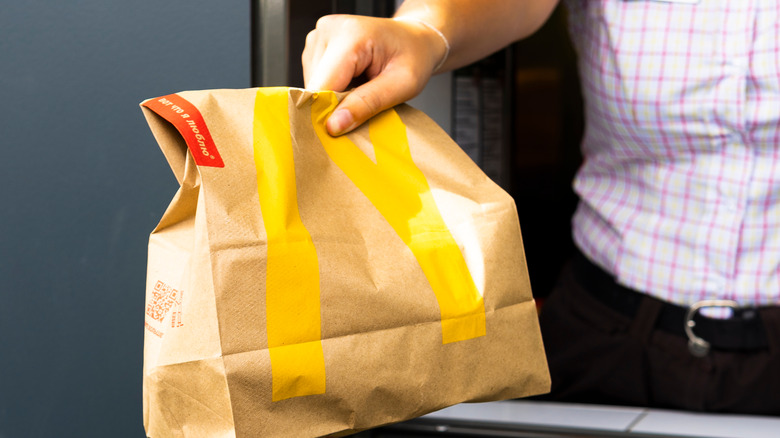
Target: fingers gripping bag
(307, 285)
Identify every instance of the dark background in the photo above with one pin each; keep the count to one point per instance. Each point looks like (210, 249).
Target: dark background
(82, 184)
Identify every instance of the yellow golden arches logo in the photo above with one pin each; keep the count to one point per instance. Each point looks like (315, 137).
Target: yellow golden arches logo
(292, 274)
(399, 191)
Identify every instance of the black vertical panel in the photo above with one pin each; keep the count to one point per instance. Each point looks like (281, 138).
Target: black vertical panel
(344, 6)
(82, 183)
(303, 18)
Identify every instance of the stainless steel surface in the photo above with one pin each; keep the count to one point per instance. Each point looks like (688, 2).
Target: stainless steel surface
(532, 419)
(270, 42)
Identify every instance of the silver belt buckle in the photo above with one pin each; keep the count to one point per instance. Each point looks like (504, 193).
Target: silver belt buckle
(696, 345)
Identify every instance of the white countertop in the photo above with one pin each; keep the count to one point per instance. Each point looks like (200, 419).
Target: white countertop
(609, 420)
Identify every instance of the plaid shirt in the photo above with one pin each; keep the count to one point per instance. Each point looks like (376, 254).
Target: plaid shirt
(680, 187)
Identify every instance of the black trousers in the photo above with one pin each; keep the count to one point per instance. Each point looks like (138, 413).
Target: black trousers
(597, 354)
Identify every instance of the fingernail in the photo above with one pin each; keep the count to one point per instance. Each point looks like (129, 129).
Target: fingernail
(340, 121)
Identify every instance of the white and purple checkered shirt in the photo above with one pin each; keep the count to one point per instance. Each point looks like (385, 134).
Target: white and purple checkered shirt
(680, 188)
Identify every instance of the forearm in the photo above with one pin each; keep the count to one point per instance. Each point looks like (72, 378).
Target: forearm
(399, 56)
(477, 28)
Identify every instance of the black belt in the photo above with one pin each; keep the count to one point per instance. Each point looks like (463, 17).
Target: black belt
(743, 331)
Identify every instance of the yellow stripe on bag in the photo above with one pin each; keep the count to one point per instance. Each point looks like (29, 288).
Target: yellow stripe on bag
(292, 280)
(399, 190)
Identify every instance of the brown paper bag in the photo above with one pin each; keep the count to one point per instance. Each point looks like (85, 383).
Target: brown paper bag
(305, 285)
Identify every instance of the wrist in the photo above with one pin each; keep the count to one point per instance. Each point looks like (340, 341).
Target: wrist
(430, 28)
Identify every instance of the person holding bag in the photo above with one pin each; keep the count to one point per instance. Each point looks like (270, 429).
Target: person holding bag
(672, 300)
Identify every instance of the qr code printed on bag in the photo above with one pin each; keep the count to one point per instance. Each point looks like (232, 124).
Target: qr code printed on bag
(164, 298)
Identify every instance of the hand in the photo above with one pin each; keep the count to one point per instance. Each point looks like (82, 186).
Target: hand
(397, 58)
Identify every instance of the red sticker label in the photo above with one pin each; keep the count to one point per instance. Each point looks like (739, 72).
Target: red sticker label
(189, 122)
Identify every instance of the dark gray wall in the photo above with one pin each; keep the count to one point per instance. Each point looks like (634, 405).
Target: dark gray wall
(82, 183)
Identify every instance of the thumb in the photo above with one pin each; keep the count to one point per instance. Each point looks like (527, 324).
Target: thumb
(384, 91)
